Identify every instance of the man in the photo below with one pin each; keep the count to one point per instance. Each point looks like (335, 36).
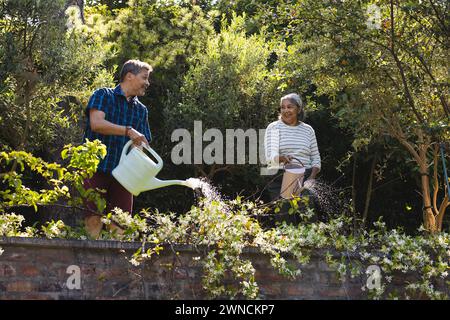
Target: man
(115, 115)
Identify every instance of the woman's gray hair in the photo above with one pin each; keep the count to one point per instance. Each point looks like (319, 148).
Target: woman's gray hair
(294, 98)
(135, 67)
(297, 100)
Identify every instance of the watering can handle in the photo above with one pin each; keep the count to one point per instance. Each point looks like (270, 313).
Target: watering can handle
(127, 146)
(297, 159)
(153, 152)
(124, 150)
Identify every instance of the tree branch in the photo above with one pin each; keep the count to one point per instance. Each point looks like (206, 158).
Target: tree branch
(443, 25)
(435, 178)
(400, 67)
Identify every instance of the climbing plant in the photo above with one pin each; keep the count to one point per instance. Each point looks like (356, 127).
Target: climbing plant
(220, 230)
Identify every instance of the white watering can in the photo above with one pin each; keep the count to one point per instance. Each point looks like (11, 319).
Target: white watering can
(136, 171)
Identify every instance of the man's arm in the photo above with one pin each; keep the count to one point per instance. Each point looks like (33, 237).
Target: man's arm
(100, 125)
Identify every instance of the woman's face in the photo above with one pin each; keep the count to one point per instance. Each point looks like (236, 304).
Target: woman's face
(289, 112)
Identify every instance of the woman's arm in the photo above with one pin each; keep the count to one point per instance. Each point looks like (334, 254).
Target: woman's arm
(315, 156)
(271, 145)
(314, 172)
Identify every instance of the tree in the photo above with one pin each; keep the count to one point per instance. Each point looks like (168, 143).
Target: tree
(227, 88)
(165, 35)
(48, 64)
(384, 65)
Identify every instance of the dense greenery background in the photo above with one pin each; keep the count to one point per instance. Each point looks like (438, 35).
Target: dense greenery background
(227, 63)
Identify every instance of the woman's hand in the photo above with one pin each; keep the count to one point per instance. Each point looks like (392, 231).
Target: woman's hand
(309, 183)
(283, 159)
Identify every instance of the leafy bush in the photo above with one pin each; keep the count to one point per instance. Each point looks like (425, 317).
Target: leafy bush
(221, 230)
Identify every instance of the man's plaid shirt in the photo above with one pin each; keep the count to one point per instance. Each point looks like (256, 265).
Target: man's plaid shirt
(118, 111)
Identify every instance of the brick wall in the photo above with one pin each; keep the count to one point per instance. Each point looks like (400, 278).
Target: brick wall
(33, 268)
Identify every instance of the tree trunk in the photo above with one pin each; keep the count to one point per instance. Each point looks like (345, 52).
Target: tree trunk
(353, 183)
(369, 190)
(431, 224)
(428, 215)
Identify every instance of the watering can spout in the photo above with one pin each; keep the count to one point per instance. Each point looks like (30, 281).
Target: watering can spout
(155, 183)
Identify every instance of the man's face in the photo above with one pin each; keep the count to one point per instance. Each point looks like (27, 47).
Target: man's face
(140, 82)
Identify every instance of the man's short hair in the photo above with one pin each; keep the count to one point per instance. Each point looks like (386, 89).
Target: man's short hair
(135, 67)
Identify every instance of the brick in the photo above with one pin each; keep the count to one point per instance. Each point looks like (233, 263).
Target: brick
(269, 276)
(115, 272)
(17, 254)
(38, 296)
(273, 290)
(305, 277)
(296, 290)
(111, 298)
(334, 278)
(52, 286)
(333, 292)
(311, 266)
(54, 270)
(88, 269)
(40, 273)
(356, 292)
(20, 286)
(180, 273)
(118, 289)
(193, 291)
(321, 277)
(51, 255)
(7, 270)
(152, 287)
(29, 271)
(323, 266)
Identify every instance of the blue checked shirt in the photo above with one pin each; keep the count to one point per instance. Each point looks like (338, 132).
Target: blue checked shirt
(118, 111)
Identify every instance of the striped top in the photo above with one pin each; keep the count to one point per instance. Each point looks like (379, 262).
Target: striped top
(298, 141)
(118, 111)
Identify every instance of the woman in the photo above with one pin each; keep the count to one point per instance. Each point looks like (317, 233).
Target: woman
(290, 138)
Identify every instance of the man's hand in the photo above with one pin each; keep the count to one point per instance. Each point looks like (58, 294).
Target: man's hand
(137, 137)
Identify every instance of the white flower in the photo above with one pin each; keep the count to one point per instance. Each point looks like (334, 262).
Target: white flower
(1, 251)
(54, 229)
(443, 274)
(441, 240)
(365, 255)
(134, 262)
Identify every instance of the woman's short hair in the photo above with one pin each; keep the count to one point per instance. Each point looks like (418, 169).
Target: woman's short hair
(294, 98)
(135, 67)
